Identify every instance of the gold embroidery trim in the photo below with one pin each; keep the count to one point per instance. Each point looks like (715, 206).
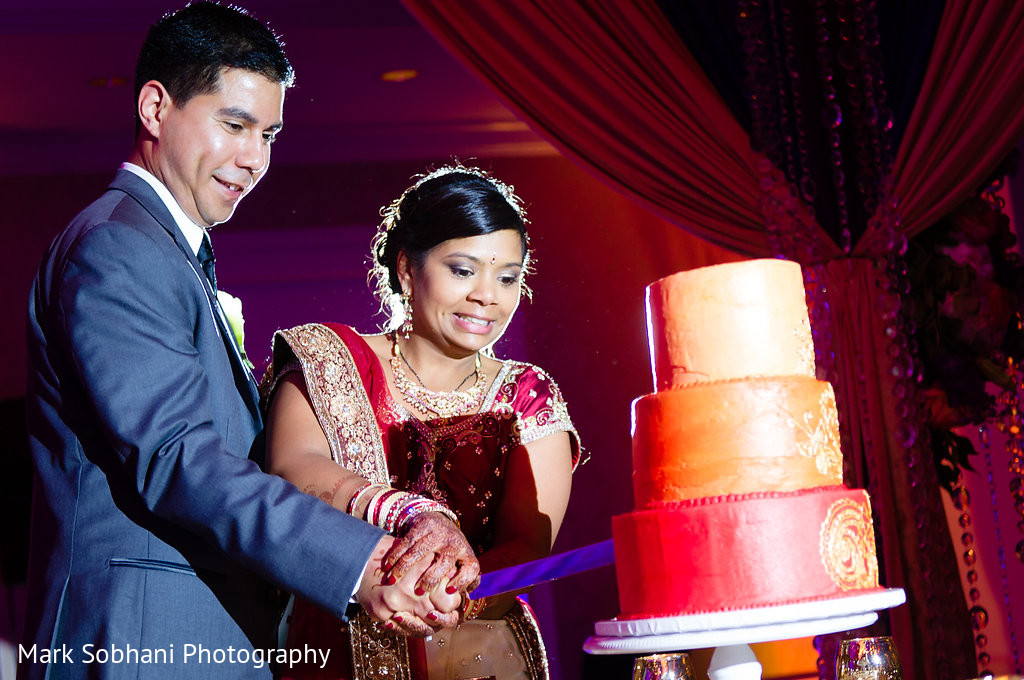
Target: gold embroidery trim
(339, 400)
(527, 634)
(847, 544)
(377, 654)
(554, 417)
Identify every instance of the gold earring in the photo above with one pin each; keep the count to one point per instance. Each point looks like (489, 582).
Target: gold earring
(406, 328)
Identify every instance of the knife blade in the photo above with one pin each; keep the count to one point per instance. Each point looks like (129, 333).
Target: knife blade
(550, 568)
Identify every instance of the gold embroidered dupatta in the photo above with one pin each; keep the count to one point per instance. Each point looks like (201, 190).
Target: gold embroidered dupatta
(346, 416)
(339, 399)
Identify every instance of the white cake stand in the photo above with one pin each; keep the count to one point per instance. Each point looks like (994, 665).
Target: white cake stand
(732, 632)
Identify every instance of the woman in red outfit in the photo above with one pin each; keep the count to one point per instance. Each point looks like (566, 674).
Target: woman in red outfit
(424, 418)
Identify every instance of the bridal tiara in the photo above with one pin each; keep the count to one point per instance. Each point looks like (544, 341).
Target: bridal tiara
(390, 212)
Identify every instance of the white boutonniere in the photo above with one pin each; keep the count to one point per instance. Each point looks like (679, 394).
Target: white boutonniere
(232, 308)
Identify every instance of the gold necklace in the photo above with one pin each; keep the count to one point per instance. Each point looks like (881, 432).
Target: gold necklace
(443, 404)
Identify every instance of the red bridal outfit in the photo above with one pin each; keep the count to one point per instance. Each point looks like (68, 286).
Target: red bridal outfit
(458, 461)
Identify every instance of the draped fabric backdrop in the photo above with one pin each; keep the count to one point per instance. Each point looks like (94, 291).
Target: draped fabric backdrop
(616, 88)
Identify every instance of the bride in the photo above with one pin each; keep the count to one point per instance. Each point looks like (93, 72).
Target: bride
(423, 419)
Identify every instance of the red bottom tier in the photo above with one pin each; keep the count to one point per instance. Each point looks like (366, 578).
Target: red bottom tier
(735, 552)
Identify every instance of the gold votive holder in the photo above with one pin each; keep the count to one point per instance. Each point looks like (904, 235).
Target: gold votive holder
(675, 666)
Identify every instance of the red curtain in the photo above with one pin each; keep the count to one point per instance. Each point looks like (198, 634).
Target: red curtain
(615, 89)
(968, 114)
(612, 86)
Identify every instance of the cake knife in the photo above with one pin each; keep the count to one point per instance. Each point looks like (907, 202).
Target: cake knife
(529, 574)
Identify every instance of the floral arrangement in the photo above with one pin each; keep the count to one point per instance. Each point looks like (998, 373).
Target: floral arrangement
(967, 292)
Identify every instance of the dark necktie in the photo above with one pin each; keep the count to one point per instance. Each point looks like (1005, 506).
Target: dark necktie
(206, 259)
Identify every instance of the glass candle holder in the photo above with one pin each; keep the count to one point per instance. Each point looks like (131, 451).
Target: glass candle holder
(674, 666)
(870, 658)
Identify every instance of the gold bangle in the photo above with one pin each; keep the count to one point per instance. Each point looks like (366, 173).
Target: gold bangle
(473, 608)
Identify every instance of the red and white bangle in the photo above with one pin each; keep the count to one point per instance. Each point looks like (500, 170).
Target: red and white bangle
(391, 509)
(390, 506)
(371, 493)
(351, 509)
(375, 509)
(420, 505)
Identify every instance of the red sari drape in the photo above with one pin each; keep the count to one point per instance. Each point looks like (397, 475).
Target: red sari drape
(613, 88)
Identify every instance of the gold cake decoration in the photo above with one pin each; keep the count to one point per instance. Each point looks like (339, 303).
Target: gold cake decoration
(806, 342)
(848, 545)
(821, 432)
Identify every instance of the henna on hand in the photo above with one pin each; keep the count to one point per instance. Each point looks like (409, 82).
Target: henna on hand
(400, 603)
(433, 533)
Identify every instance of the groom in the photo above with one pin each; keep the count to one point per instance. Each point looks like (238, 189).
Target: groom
(153, 530)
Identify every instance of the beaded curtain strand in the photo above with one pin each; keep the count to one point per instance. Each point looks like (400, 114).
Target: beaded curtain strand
(1012, 425)
(838, 74)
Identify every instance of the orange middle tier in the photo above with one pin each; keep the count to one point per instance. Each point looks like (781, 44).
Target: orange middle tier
(735, 437)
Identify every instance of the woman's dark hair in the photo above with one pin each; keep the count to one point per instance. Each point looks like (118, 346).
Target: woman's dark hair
(187, 50)
(450, 202)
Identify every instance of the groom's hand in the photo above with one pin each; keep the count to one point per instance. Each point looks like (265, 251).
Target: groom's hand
(398, 603)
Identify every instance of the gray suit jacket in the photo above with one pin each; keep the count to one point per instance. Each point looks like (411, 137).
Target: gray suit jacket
(152, 530)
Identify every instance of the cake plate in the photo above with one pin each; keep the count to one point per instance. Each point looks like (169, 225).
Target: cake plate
(732, 632)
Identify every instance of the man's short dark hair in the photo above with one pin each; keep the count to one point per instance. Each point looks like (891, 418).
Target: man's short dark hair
(187, 50)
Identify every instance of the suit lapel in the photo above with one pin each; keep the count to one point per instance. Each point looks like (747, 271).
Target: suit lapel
(242, 371)
(144, 194)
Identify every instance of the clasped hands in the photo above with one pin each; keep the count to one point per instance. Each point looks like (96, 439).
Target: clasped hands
(416, 583)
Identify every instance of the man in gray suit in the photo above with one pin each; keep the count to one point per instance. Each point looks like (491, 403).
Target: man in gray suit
(155, 536)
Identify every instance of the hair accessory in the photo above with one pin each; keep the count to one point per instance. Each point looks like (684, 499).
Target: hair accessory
(507, 191)
(442, 404)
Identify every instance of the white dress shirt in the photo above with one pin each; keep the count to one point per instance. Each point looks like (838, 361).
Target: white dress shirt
(192, 232)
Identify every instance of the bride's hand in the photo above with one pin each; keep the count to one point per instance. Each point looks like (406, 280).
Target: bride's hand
(444, 601)
(454, 560)
(447, 607)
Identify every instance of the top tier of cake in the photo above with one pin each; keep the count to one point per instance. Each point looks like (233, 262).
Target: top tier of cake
(736, 320)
